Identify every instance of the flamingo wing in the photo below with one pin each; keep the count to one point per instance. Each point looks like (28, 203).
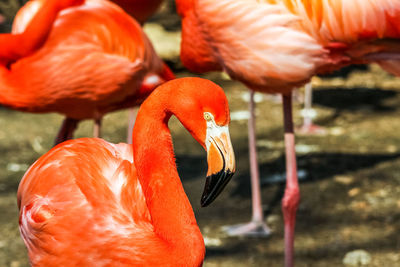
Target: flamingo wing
(84, 191)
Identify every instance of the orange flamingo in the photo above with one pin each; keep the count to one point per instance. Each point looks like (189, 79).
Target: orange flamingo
(88, 201)
(91, 59)
(273, 46)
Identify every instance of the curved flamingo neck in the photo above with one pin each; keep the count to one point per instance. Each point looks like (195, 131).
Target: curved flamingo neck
(171, 213)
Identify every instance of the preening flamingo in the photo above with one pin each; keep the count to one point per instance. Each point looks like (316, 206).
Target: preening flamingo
(92, 59)
(273, 46)
(88, 202)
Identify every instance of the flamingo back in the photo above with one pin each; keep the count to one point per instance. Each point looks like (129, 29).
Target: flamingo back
(83, 191)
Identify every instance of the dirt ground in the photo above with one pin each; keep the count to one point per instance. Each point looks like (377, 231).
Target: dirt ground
(350, 179)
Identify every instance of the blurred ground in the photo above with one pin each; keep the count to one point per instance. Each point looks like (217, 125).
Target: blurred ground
(350, 183)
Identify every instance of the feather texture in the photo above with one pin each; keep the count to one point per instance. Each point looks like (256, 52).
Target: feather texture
(93, 62)
(87, 202)
(276, 45)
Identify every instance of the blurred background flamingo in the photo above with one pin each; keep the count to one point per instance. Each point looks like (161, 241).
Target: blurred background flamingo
(96, 59)
(273, 46)
(124, 204)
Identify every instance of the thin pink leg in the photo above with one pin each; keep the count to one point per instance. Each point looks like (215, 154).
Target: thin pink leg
(258, 215)
(66, 131)
(97, 128)
(132, 112)
(256, 227)
(307, 122)
(308, 114)
(291, 198)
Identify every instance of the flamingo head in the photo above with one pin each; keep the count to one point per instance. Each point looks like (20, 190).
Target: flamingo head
(204, 111)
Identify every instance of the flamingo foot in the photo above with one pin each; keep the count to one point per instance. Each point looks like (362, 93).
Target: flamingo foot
(311, 129)
(251, 229)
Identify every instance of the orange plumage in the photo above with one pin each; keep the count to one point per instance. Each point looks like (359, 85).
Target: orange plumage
(91, 203)
(96, 59)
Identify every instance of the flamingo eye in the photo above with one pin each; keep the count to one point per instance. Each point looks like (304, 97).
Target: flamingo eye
(207, 116)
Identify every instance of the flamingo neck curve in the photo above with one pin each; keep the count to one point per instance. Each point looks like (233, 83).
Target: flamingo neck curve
(170, 210)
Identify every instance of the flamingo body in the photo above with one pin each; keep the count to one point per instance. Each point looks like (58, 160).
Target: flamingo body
(90, 209)
(95, 60)
(59, 192)
(87, 202)
(274, 46)
(243, 38)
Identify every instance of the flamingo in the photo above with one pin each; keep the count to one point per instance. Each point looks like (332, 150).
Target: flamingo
(89, 202)
(274, 46)
(90, 60)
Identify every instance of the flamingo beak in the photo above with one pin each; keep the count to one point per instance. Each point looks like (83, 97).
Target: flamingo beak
(221, 162)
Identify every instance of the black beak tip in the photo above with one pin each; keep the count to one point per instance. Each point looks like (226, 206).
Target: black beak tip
(204, 202)
(215, 183)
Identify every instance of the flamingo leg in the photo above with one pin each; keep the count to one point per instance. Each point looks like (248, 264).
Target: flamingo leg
(132, 113)
(308, 114)
(97, 128)
(307, 122)
(291, 198)
(66, 131)
(256, 227)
